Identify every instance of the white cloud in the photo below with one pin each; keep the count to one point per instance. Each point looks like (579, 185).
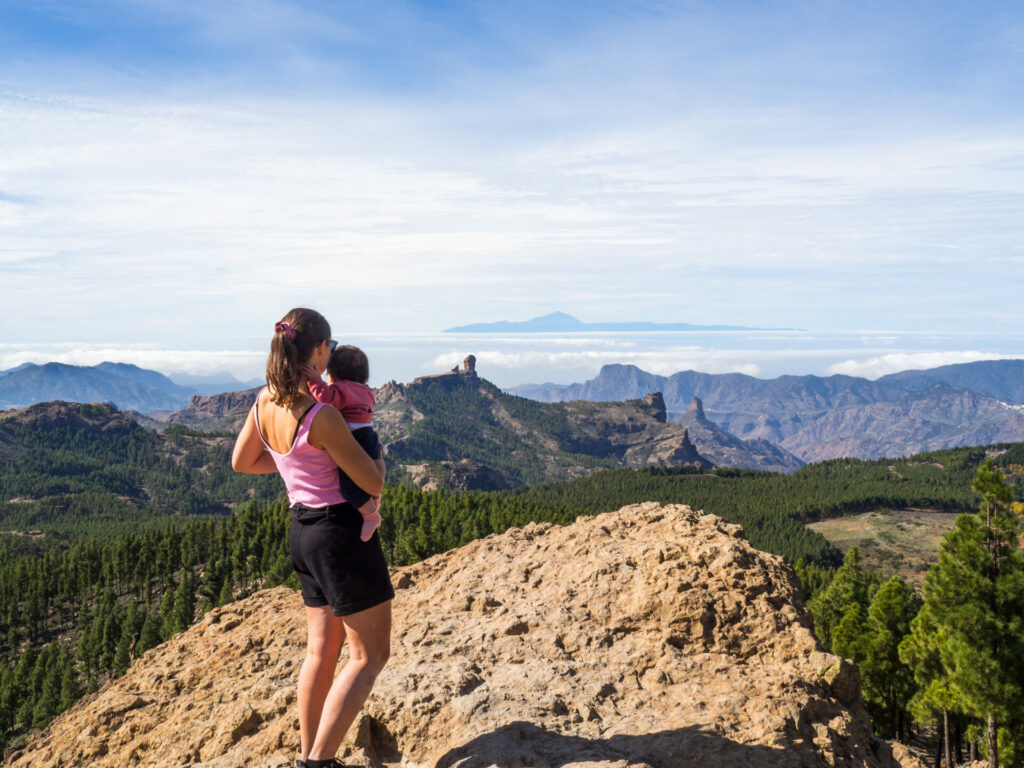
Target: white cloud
(662, 361)
(241, 363)
(873, 367)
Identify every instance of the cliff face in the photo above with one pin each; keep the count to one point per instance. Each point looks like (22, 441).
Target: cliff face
(652, 636)
(212, 413)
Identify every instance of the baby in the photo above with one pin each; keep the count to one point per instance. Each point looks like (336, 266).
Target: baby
(347, 373)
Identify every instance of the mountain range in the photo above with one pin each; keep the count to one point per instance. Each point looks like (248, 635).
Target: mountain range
(815, 417)
(729, 419)
(128, 386)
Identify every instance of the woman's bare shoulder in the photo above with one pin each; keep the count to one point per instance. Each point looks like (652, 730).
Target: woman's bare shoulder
(327, 423)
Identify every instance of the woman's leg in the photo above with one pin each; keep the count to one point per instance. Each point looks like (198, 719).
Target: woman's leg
(325, 635)
(369, 645)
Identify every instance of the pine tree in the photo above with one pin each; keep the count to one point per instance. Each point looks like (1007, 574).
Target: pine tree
(185, 601)
(976, 596)
(149, 637)
(936, 697)
(848, 586)
(886, 678)
(168, 625)
(70, 689)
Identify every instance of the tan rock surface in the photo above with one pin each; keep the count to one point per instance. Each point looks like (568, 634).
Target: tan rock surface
(652, 636)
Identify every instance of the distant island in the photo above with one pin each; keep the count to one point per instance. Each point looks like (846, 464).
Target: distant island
(559, 322)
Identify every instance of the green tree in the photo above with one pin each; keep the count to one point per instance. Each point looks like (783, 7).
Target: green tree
(887, 679)
(847, 587)
(936, 696)
(976, 596)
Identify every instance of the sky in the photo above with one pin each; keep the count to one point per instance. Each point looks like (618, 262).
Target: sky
(174, 176)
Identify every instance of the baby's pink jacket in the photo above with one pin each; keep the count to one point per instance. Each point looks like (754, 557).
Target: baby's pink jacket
(354, 400)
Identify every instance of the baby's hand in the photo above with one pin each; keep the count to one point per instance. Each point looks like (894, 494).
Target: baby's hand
(310, 372)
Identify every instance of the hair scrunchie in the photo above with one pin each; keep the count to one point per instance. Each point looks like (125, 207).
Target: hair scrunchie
(286, 329)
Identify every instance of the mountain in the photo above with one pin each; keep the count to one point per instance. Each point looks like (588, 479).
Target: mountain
(458, 430)
(818, 417)
(152, 379)
(559, 322)
(214, 383)
(1001, 379)
(216, 413)
(127, 386)
(16, 369)
(633, 638)
(940, 417)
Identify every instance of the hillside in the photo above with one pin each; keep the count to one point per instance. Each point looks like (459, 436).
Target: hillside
(457, 430)
(631, 638)
(65, 465)
(818, 418)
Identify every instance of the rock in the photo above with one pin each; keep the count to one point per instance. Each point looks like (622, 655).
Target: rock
(696, 407)
(843, 679)
(652, 636)
(656, 401)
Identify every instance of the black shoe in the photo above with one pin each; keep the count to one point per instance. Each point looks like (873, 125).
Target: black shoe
(331, 763)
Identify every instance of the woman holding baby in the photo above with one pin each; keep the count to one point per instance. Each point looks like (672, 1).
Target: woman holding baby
(334, 546)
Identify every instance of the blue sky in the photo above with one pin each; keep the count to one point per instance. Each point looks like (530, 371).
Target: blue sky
(176, 175)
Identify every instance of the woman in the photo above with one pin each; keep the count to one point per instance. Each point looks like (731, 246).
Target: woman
(345, 583)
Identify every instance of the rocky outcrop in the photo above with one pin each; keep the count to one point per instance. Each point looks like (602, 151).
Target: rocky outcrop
(214, 413)
(727, 450)
(648, 637)
(657, 405)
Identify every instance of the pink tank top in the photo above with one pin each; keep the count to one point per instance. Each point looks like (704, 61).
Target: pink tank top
(309, 473)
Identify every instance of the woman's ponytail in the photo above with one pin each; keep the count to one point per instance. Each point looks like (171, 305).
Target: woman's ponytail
(296, 335)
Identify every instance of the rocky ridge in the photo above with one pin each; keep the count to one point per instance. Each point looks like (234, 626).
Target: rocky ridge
(645, 638)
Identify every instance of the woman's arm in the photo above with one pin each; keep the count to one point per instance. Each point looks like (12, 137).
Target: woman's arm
(249, 456)
(330, 432)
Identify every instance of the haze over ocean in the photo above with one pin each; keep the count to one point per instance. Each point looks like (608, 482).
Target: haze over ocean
(175, 176)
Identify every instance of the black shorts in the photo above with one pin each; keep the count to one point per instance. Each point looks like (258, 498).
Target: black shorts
(334, 565)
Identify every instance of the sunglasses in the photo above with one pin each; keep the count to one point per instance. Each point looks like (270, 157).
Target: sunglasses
(332, 344)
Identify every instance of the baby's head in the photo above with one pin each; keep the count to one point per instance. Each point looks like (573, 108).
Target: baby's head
(348, 363)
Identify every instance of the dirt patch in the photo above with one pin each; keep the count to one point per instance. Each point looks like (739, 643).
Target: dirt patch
(903, 541)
